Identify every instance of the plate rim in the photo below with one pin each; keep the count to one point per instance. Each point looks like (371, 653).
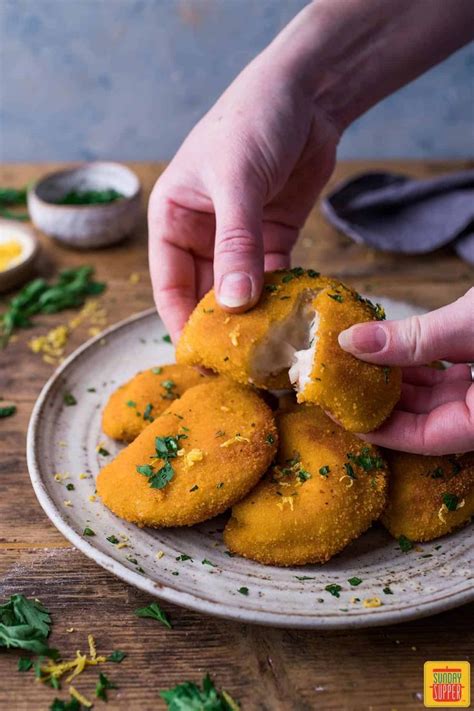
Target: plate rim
(196, 601)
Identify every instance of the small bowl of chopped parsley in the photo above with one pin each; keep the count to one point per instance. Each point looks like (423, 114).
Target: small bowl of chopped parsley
(94, 205)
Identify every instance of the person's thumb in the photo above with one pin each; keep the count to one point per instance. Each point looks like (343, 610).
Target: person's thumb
(447, 333)
(238, 253)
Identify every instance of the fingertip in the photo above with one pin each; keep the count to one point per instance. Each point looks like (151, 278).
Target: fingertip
(238, 291)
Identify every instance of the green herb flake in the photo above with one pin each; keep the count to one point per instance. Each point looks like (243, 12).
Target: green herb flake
(437, 473)
(386, 374)
(113, 539)
(189, 696)
(103, 452)
(336, 297)
(349, 470)
(183, 557)
(70, 487)
(131, 403)
(304, 577)
(208, 562)
(69, 399)
(7, 411)
(243, 590)
(287, 278)
(156, 613)
(270, 288)
(334, 589)
(88, 532)
(387, 591)
(324, 471)
(451, 501)
(102, 686)
(167, 338)
(157, 371)
(117, 656)
(405, 544)
(270, 439)
(25, 624)
(91, 390)
(147, 413)
(303, 475)
(313, 274)
(354, 581)
(169, 386)
(24, 664)
(89, 197)
(131, 559)
(62, 705)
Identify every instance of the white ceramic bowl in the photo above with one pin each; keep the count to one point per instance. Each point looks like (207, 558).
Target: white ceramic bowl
(22, 266)
(86, 226)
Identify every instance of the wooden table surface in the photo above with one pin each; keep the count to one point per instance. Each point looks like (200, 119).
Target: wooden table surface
(263, 668)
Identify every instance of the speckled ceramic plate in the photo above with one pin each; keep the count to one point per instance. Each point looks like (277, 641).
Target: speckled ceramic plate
(64, 440)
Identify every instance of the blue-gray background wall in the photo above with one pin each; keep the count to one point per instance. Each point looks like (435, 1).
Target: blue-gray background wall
(127, 79)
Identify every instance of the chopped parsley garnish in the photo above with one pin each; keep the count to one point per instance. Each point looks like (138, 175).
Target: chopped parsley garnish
(194, 488)
(365, 460)
(377, 309)
(243, 590)
(334, 589)
(270, 439)
(147, 413)
(88, 532)
(156, 613)
(297, 271)
(103, 452)
(102, 686)
(287, 278)
(451, 501)
(324, 471)
(69, 399)
(304, 577)
(166, 449)
(131, 403)
(188, 696)
(183, 557)
(157, 371)
(24, 664)
(62, 705)
(405, 544)
(354, 581)
(169, 386)
(387, 591)
(89, 197)
(349, 470)
(131, 559)
(113, 539)
(7, 410)
(25, 624)
(167, 338)
(117, 656)
(437, 473)
(91, 390)
(208, 562)
(336, 297)
(312, 273)
(270, 287)
(303, 475)
(70, 487)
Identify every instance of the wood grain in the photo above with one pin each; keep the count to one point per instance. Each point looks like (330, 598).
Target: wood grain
(265, 669)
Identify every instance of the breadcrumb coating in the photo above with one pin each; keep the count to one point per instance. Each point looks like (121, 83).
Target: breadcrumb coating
(428, 497)
(238, 345)
(138, 402)
(206, 477)
(327, 489)
(359, 395)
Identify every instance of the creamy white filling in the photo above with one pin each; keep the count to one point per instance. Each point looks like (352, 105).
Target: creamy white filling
(302, 365)
(285, 340)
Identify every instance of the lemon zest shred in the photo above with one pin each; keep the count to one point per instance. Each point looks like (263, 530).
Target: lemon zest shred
(92, 647)
(234, 440)
(351, 480)
(372, 602)
(193, 456)
(82, 699)
(285, 500)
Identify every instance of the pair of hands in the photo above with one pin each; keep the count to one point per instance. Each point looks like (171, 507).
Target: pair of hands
(230, 205)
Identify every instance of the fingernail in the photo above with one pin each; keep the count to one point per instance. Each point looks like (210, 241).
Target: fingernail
(235, 290)
(364, 338)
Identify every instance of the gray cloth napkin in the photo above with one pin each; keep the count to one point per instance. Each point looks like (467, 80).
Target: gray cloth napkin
(396, 213)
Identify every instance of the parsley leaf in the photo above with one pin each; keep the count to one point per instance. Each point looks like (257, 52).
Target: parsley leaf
(25, 624)
(189, 696)
(451, 501)
(243, 590)
(69, 399)
(61, 705)
(117, 656)
(88, 532)
(354, 581)
(167, 338)
(7, 411)
(405, 544)
(102, 686)
(334, 589)
(156, 613)
(24, 664)
(324, 471)
(336, 297)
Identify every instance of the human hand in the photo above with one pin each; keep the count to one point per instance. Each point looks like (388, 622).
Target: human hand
(435, 414)
(237, 193)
